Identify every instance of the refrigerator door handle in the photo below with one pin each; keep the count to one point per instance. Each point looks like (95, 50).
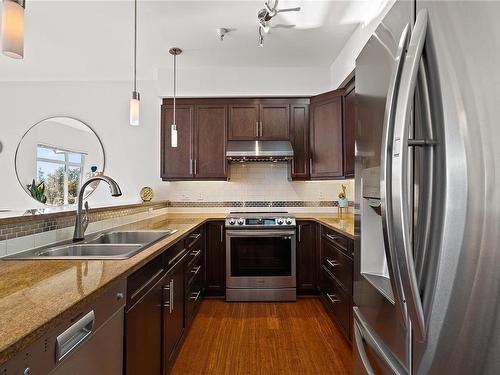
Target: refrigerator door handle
(400, 160)
(362, 333)
(386, 174)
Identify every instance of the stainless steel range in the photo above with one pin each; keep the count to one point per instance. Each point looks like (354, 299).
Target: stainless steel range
(260, 257)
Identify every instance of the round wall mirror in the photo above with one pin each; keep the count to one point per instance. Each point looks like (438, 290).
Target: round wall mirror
(55, 156)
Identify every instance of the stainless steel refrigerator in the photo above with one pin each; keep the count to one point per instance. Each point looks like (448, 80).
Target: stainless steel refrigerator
(427, 249)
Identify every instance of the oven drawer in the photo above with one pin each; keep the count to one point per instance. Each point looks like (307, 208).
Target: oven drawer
(339, 265)
(336, 301)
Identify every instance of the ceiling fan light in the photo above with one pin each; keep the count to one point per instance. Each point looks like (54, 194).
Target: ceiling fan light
(13, 28)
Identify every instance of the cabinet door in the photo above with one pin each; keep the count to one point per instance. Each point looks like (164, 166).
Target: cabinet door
(243, 122)
(307, 257)
(274, 122)
(143, 323)
(326, 139)
(173, 312)
(176, 162)
(215, 259)
(349, 130)
(299, 125)
(210, 142)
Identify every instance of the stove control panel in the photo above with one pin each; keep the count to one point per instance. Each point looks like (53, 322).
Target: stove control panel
(260, 222)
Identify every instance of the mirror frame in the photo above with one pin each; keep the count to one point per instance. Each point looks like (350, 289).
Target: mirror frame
(38, 123)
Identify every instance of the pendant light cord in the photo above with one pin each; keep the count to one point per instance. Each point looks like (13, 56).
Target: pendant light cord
(135, 45)
(175, 86)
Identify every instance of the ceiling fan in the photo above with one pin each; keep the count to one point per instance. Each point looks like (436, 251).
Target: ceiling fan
(266, 14)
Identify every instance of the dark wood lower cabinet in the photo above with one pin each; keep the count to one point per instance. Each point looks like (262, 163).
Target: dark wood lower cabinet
(143, 333)
(336, 276)
(307, 258)
(215, 259)
(173, 312)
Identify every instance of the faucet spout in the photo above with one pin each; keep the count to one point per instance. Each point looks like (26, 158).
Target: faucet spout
(83, 220)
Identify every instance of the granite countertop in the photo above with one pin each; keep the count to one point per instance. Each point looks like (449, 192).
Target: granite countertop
(36, 295)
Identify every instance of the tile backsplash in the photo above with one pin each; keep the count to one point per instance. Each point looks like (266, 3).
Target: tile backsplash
(256, 182)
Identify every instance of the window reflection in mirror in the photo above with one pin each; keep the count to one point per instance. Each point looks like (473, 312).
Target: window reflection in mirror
(55, 157)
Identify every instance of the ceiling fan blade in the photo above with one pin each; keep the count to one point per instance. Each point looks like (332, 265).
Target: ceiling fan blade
(289, 10)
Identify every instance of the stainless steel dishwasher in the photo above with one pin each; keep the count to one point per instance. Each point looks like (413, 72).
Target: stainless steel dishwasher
(90, 342)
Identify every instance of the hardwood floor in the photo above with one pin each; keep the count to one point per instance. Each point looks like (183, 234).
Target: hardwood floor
(263, 338)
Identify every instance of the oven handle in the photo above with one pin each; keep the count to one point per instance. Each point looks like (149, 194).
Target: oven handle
(259, 233)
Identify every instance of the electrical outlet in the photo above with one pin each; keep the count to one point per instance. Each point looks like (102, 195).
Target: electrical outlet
(321, 195)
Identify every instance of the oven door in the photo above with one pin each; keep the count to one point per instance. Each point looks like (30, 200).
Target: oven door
(260, 258)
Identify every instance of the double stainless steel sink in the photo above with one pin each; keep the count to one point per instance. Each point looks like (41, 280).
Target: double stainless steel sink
(111, 245)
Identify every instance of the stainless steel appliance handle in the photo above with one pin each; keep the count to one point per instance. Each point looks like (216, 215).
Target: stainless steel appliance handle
(260, 233)
(74, 336)
(386, 176)
(400, 160)
(363, 333)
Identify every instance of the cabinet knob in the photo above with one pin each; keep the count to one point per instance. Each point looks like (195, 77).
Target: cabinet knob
(119, 295)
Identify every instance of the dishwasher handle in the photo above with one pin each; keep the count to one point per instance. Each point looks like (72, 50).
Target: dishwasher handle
(74, 336)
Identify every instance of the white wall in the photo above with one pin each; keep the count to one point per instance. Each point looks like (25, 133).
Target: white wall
(345, 62)
(132, 154)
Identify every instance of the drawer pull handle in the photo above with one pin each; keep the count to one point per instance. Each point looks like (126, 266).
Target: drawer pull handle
(333, 298)
(332, 263)
(170, 303)
(332, 237)
(194, 236)
(194, 296)
(195, 253)
(195, 270)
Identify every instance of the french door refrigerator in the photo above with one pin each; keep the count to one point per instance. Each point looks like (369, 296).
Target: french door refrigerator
(427, 239)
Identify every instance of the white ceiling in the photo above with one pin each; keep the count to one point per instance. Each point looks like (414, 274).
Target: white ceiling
(92, 40)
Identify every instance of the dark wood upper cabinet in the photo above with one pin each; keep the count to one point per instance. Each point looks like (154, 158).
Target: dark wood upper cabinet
(176, 162)
(349, 129)
(243, 122)
(326, 136)
(201, 144)
(210, 142)
(307, 257)
(299, 136)
(215, 259)
(274, 122)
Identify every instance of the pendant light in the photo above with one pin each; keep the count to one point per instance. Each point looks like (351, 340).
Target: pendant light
(13, 28)
(174, 51)
(135, 102)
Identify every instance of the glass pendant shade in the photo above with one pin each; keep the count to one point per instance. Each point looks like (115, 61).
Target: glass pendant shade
(173, 135)
(13, 28)
(135, 103)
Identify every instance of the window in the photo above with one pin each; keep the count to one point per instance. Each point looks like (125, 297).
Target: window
(62, 173)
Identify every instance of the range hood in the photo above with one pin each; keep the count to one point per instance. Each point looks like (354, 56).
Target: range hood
(259, 151)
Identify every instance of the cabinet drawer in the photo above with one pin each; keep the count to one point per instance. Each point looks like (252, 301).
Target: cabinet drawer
(340, 265)
(337, 302)
(194, 238)
(173, 255)
(194, 271)
(143, 279)
(194, 295)
(337, 239)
